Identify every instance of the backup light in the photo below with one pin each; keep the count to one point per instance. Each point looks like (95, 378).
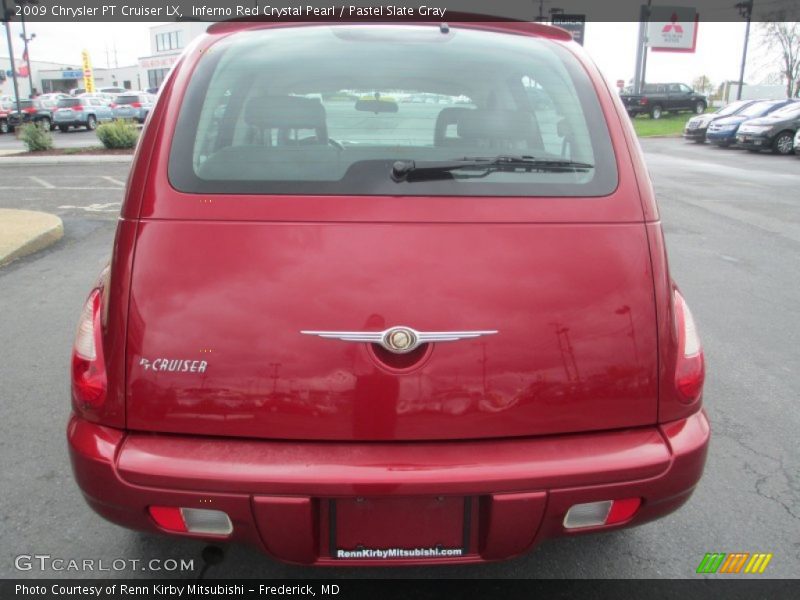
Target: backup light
(606, 512)
(88, 366)
(690, 366)
(191, 520)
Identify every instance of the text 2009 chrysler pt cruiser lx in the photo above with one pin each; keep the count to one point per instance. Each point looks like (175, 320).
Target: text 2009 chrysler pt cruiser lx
(387, 292)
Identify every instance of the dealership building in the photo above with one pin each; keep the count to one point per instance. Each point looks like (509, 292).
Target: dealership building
(166, 42)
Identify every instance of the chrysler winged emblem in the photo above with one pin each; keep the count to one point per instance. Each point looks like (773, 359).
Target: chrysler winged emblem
(401, 339)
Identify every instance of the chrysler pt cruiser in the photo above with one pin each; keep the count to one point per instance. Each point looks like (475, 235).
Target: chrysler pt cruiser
(387, 292)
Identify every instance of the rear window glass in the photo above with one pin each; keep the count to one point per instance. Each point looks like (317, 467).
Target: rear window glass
(68, 102)
(126, 99)
(330, 109)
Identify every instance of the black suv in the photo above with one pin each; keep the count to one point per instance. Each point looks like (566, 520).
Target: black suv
(658, 98)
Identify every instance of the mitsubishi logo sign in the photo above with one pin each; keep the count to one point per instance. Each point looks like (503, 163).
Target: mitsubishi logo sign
(672, 29)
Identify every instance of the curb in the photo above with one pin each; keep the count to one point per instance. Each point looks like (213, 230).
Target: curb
(24, 232)
(65, 160)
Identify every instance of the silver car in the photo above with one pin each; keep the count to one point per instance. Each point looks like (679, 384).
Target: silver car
(133, 106)
(81, 112)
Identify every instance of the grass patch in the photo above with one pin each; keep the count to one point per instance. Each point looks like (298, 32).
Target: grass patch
(667, 125)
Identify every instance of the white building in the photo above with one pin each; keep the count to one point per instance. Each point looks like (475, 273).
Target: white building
(166, 44)
(51, 76)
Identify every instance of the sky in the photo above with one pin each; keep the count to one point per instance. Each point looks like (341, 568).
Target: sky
(612, 45)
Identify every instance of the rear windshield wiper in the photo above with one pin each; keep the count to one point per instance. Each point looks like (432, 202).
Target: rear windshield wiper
(419, 170)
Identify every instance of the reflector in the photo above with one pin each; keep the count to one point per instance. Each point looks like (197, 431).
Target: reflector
(587, 515)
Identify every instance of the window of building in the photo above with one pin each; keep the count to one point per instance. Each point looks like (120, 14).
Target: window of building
(156, 76)
(171, 40)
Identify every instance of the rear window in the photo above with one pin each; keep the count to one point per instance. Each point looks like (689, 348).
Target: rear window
(330, 109)
(68, 102)
(126, 99)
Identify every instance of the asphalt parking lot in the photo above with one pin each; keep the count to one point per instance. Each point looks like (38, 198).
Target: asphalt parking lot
(732, 221)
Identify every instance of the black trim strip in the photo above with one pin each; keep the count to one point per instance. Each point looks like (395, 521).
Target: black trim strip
(332, 526)
(467, 523)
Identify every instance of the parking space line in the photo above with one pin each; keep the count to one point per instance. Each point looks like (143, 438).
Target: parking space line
(41, 182)
(113, 180)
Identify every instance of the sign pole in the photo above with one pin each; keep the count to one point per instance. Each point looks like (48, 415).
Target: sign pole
(641, 48)
(6, 18)
(746, 10)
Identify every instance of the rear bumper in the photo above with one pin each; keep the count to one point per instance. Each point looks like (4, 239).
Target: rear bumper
(281, 496)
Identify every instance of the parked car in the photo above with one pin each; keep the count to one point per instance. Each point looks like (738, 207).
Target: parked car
(134, 105)
(722, 132)
(37, 111)
(77, 91)
(114, 90)
(658, 98)
(773, 132)
(107, 97)
(5, 120)
(81, 112)
(340, 341)
(696, 127)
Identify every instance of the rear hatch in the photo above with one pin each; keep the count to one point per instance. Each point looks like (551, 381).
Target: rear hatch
(218, 310)
(273, 213)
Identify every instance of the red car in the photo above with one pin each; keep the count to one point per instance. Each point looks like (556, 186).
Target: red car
(387, 294)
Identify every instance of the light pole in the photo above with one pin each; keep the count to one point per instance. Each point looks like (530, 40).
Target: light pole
(6, 19)
(746, 11)
(26, 55)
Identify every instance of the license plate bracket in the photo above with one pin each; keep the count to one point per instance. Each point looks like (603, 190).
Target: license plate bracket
(396, 528)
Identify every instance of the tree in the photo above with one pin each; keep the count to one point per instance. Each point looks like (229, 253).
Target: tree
(782, 40)
(703, 84)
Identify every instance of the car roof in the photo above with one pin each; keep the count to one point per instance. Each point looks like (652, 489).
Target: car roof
(461, 19)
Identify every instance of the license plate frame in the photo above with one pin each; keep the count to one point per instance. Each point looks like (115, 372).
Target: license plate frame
(388, 528)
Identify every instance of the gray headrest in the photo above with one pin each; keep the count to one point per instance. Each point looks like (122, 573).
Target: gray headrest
(285, 112)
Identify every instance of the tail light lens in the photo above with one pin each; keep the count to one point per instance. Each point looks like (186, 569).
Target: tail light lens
(643, 101)
(88, 367)
(690, 368)
(77, 108)
(136, 104)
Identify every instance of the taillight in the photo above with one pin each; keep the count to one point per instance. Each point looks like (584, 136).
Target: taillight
(113, 105)
(88, 366)
(136, 104)
(690, 367)
(78, 108)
